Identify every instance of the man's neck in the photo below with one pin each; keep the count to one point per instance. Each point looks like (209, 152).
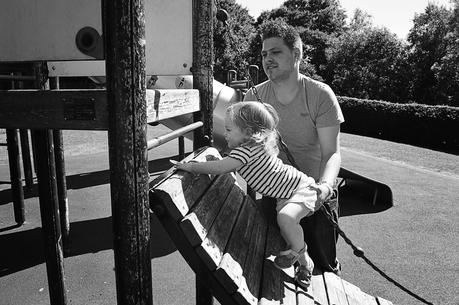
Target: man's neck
(287, 89)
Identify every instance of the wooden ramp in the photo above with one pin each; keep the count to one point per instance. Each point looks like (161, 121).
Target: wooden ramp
(230, 244)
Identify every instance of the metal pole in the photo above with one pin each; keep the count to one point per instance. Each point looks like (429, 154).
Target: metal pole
(126, 92)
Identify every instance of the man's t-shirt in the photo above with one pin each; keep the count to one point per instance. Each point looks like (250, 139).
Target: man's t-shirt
(314, 107)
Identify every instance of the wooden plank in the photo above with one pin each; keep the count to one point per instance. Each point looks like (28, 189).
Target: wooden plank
(274, 290)
(318, 289)
(249, 285)
(212, 248)
(335, 289)
(54, 109)
(382, 301)
(178, 191)
(84, 109)
(168, 103)
(196, 224)
(230, 272)
(353, 293)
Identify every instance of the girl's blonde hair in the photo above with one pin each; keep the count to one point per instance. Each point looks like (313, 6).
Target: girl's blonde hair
(259, 121)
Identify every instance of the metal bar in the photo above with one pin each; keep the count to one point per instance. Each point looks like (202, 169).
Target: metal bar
(15, 175)
(26, 160)
(17, 77)
(124, 35)
(172, 135)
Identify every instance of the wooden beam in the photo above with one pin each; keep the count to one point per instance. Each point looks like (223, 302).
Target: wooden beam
(84, 109)
(203, 61)
(126, 95)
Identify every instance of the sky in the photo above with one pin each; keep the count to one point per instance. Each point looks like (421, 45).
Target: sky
(396, 15)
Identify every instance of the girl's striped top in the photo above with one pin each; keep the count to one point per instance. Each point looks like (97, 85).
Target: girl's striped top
(265, 173)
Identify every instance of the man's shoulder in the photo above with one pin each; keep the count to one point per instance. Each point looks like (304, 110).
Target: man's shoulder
(312, 84)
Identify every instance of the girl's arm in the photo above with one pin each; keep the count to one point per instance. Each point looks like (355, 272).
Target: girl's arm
(217, 167)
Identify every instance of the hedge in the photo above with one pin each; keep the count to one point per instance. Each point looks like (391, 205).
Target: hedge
(434, 127)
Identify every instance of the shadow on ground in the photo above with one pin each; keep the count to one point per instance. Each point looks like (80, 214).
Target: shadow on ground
(25, 248)
(84, 180)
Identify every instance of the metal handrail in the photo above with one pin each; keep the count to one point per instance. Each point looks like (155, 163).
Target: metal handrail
(157, 141)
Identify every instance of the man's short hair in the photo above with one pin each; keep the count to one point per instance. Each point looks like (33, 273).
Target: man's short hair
(280, 29)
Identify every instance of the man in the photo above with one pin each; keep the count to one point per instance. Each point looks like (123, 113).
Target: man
(310, 119)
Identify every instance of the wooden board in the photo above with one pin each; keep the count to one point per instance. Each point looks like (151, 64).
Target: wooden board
(273, 288)
(230, 270)
(212, 248)
(335, 289)
(197, 223)
(179, 190)
(84, 109)
(318, 289)
(249, 284)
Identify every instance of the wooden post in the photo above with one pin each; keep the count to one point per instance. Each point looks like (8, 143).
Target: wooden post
(15, 175)
(203, 77)
(203, 65)
(126, 95)
(26, 160)
(61, 185)
(47, 191)
(61, 180)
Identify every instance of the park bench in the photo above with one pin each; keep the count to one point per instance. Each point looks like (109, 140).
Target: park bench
(230, 243)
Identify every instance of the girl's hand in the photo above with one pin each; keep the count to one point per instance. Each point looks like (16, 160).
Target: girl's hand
(186, 166)
(323, 192)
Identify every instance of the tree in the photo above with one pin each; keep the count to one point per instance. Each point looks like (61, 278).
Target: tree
(368, 62)
(317, 21)
(231, 42)
(429, 53)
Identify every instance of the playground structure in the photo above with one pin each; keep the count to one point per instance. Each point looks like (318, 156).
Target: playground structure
(119, 33)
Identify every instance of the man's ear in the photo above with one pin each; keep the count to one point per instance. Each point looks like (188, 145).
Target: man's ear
(297, 54)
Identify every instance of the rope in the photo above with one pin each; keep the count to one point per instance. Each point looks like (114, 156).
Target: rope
(356, 250)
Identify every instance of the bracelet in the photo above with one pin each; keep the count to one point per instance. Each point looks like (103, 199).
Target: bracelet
(329, 187)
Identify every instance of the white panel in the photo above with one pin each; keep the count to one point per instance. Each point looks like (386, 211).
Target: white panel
(46, 30)
(169, 33)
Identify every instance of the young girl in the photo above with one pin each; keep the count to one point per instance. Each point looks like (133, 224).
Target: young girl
(250, 130)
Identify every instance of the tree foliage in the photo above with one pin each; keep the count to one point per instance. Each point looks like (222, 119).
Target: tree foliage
(368, 62)
(433, 50)
(232, 41)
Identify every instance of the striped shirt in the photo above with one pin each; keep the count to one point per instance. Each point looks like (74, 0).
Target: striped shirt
(265, 173)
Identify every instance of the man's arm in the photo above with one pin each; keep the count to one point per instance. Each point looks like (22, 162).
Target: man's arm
(330, 154)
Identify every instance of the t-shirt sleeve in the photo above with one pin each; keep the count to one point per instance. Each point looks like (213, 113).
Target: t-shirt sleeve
(242, 154)
(329, 112)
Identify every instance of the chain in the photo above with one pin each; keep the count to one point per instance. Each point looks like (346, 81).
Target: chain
(356, 250)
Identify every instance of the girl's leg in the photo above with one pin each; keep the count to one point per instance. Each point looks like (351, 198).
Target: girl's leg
(288, 219)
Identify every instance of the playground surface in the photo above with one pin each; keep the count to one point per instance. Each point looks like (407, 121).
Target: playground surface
(415, 241)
